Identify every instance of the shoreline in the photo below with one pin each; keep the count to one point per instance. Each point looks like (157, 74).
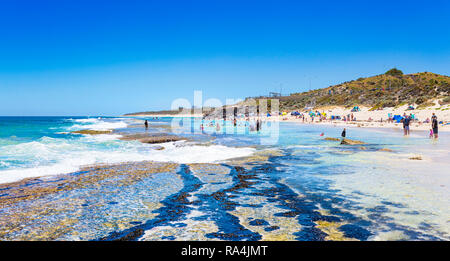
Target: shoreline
(365, 117)
(292, 119)
(361, 124)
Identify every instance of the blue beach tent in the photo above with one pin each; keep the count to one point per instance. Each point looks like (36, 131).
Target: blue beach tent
(397, 118)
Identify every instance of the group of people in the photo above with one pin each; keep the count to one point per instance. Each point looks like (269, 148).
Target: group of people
(253, 126)
(434, 125)
(406, 125)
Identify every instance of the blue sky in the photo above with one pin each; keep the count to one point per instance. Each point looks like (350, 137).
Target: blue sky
(112, 57)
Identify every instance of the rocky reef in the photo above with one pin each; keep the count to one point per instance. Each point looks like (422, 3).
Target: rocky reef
(152, 138)
(92, 132)
(346, 141)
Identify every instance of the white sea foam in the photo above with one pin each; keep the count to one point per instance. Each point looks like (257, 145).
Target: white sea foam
(96, 124)
(89, 120)
(51, 156)
(199, 154)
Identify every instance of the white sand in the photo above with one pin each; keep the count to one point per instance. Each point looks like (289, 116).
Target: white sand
(363, 116)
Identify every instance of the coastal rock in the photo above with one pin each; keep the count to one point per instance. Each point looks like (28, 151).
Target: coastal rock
(346, 141)
(332, 139)
(92, 132)
(352, 142)
(152, 138)
(384, 149)
(163, 139)
(416, 158)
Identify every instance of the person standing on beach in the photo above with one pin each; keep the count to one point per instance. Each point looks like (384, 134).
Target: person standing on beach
(343, 135)
(146, 124)
(406, 122)
(434, 125)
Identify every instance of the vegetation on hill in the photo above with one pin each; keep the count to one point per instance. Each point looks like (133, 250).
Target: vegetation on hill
(386, 90)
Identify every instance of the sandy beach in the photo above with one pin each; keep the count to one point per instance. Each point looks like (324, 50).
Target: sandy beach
(364, 118)
(375, 119)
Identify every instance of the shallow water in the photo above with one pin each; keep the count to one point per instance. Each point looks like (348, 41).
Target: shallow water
(221, 186)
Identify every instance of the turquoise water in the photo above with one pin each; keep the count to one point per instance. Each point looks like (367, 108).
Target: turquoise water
(362, 191)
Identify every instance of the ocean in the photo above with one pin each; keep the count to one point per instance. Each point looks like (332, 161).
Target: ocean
(285, 182)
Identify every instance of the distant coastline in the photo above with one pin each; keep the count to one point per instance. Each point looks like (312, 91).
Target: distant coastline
(164, 115)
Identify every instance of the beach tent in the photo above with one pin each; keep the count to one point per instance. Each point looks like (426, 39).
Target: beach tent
(355, 109)
(397, 118)
(295, 113)
(410, 107)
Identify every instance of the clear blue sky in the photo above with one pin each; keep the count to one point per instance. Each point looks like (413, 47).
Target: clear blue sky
(112, 57)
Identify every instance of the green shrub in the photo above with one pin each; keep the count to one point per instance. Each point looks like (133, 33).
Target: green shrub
(394, 72)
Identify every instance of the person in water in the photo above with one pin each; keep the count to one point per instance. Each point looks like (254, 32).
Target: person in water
(217, 127)
(343, 135)
(434, 125)
(146, 124)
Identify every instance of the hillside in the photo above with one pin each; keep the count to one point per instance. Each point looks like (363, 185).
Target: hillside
(391, 89)
(387, 90)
